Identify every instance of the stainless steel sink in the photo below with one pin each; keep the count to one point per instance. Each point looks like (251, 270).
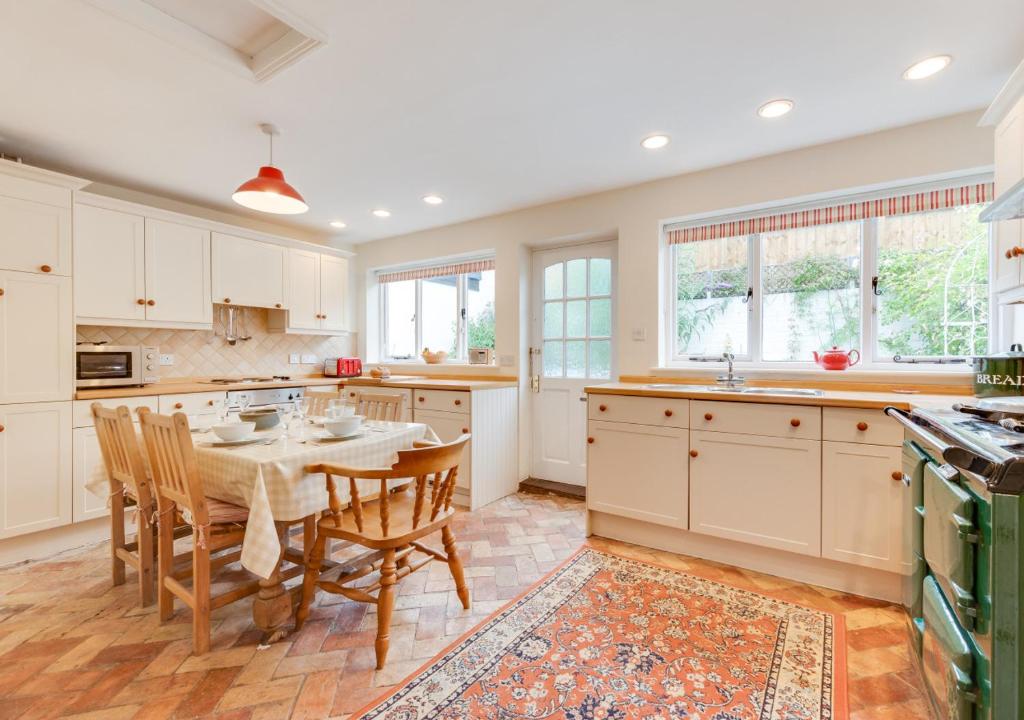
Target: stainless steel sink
(797, 392)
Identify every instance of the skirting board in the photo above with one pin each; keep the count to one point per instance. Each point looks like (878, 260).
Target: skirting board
(866, 582)
(43, 545)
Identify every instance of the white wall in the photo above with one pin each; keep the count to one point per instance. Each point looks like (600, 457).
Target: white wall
(634, 215)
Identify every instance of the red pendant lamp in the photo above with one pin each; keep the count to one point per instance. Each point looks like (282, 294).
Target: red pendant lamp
(268, 192)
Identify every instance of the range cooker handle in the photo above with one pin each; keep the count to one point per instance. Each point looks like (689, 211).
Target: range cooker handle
(954, 455)
(903, 418)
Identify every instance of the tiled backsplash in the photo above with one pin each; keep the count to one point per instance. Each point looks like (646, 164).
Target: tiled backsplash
(202, 353)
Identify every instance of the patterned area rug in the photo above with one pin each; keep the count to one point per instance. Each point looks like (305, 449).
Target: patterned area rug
(607, 638)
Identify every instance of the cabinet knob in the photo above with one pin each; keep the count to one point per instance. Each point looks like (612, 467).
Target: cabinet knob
(45, 268)
(897, 476)
(277, 305)
(1016, 250)
(210, 403)
(151, 303)
(352, 394)
(323, 317)
(465, 431)
(862, 426)
(421, 399)
(1, 292)
(602, 408)
(590, 441)
(1, 428)
(795, 422)
(140, 301)
(709, 417)
(227, 301)
(694, 453)
(458, 402)
(668, 413)
(178, 406)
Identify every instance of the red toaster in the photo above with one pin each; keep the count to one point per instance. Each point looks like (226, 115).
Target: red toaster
(343, 367)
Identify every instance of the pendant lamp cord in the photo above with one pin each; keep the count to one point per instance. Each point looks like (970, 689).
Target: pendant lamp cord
(271, 135)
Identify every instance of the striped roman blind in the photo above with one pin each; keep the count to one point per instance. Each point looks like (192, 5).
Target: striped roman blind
(432, 271)
(855, 208)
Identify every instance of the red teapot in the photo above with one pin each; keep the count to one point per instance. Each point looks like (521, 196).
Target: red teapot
(836, 359)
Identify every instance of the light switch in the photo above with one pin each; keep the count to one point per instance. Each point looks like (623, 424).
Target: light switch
(639, 334)
(293, 359)
(166, 359)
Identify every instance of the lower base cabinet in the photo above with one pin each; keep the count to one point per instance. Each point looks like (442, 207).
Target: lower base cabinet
(638, 471)
(754, 489)
(864, 506)
(35, 467)
(87, 457)
(448, 427)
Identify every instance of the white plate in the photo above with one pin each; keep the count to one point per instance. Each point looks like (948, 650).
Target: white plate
(233, 443)
(327, 437)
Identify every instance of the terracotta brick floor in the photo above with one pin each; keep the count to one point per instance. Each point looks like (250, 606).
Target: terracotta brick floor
(73, 646)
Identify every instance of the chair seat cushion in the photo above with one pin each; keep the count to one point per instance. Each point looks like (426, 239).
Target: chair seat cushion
(224, 512)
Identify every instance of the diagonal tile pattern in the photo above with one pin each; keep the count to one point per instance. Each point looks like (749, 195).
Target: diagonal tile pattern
(73, 646)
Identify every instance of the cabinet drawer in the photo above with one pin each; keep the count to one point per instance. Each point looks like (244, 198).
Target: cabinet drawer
(790, 421)
(81, 412)
(190, 403)
(666, 412)
(444, 400)
(860, 426)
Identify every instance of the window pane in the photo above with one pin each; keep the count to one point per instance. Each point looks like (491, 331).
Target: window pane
(600, 318)
(810, 282)
(480, 309)
(553, 281)
(576, 278)
(933, 279)
(400, 342)
(440, 313)
(553, 358)
(600, 358)
(576, 358)
(712, 278)
(600, 276)
(576, 318)
(553, 319)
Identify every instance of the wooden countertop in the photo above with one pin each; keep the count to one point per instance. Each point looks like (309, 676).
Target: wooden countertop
(434, 383)
(828, 398)
(198, 385)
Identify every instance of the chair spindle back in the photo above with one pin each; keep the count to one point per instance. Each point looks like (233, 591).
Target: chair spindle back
(172, 461)
(379, 406)
(122, 456)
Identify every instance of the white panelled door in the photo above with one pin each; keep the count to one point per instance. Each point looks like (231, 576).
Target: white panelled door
(572, 329)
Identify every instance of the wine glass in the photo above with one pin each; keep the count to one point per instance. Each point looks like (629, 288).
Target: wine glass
(244, 400)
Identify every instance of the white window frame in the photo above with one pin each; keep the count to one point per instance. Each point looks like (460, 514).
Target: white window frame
(871, 360)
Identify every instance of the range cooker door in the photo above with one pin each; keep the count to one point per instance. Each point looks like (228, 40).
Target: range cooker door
(946, 658)
(950, 537)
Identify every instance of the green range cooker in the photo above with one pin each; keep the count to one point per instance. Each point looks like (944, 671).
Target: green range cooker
(965, 468)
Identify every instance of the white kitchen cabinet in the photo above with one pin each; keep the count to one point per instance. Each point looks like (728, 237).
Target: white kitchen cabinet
(35, 467)
(110, 264)
(865, 506)
(249, 272)
(86, 458)
(177, 273)
(1009, 168)
(35, 236)
(333, 292)
(754, 489)
(449, 426)
(36, 338)
(304, 290)
(638, 471)
(317, 291)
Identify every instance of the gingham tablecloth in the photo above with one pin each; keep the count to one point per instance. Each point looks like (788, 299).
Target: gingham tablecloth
(271, 482)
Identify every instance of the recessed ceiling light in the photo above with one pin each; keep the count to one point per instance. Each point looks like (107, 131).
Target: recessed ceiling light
(927, 67)
(433, 199)
(775, 108)
(382, 213)
(655, 142)
(337, 224)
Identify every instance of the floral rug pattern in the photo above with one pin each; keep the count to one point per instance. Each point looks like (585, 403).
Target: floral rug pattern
(607, 638)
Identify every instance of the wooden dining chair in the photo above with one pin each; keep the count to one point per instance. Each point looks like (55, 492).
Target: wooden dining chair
(379, 406)
(217, 527)
(391, 527)
(318, 401)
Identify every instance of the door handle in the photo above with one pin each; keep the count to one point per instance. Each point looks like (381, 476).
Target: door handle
(534, 376)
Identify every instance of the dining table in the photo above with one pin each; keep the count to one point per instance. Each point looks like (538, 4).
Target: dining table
(273, 476)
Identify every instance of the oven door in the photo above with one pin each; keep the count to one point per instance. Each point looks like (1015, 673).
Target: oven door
(950, 539)
(946, 658)
(107, 366)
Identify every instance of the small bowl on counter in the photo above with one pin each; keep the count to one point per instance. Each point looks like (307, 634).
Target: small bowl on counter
(263, 418)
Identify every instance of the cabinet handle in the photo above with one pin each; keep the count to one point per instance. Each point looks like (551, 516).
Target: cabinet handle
(465, 431)
(1, 292)
(1015, 251)
(210, 403)
(45, 268)
(178, 406)
(352, 394)
(862, 426)
(277, 305)
(602, 408)
(151, 303)
(897, 476)
(795, 422)
(323, 317)
(227, 301)
(1, 428)
(709, 417)
(590, 441)
(668, 413)
(421, 399)
(140, 301)
(458, 402)
(694, 453)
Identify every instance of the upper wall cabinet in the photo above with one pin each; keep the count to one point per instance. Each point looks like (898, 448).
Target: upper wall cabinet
(35, 226)
(317, 292)
(249, 272)
(177, 273)
(333, 291)
(1009, 234)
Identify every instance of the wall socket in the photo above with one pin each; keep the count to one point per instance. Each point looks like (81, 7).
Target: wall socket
(308, 359)
(293, 359)
(166, 359)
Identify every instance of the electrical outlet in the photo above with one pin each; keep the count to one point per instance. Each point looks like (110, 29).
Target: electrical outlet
(308, 359)
(293, 359)
(166, 359)
(639, 334)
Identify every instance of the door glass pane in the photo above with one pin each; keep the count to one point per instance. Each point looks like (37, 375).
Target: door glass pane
(553, 319)
(576, 358)
(576, 278)
(933, 280)
(553, 358)
(600, 318)
(712, 278)
(400, 342)
(553, 281)
(576, 318)
(810, 280)
(600, 276)
(440, 308)
(600, 358)
(480, 309)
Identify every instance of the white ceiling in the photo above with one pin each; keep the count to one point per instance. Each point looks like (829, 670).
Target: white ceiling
(492, 105)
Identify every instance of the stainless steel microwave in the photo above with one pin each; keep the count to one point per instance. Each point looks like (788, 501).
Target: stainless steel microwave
(115, 365)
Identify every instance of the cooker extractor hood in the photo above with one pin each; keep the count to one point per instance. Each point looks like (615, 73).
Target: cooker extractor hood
(1008, 206)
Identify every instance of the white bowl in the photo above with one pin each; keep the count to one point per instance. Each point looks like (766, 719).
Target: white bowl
(340, 427)
(229, 432)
